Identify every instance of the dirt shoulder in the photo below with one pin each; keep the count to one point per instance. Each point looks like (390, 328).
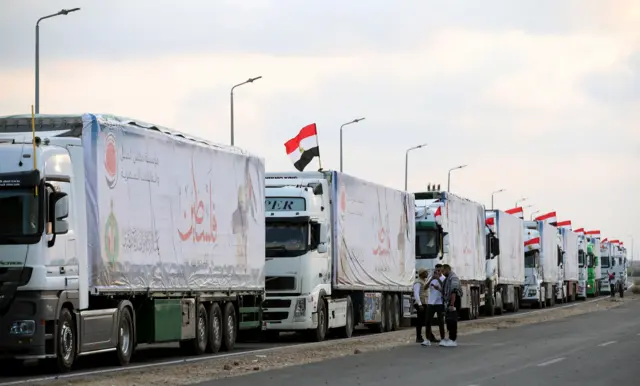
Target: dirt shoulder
(215, 368)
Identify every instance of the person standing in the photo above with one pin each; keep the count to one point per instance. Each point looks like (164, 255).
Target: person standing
(435, 305)
(420, 300)
(612, 286)
(452, 293)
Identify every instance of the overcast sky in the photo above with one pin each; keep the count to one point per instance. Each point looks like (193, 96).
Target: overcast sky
(541, 98)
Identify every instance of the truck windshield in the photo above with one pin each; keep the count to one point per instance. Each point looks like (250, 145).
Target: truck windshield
(426, 244)
(581, 258)
(530, 259)
(591, 260)
(604, 262)
(20, 223)
(286, 239)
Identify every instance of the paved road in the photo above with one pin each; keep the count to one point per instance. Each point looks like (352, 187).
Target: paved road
(597, 349)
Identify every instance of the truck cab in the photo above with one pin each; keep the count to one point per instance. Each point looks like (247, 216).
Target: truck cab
(429, 232)
(605, 266)
(533, 289)
(299, 267)
(593, 267)
(583, 262)
(40, 254)
(562, 292)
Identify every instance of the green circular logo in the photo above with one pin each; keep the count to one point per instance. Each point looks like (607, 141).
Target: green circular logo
(111, 238)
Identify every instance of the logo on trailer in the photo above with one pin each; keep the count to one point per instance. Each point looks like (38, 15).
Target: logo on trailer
(111, 238)
(111, 160)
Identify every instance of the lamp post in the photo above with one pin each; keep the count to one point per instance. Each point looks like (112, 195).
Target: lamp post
(406, 163)
(449, 176)
(250, 80)
(63, 12)
(632, 242)
(533, 213)
(523, 199)
(494, 193)
(343, 125)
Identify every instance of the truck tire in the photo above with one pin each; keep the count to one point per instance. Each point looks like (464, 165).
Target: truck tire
(215, 328)
(347, 330)
(320, 332)
(65, 342)
(388, 312)
(490, 306)
(397, 312)
(198, 346)
(229, 327)
(126, 344)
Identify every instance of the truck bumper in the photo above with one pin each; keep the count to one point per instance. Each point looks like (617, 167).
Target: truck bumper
(583, 287)
(288, 314)
(531, 294)
(27, 326)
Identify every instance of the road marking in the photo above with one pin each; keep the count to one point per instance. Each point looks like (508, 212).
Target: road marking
(607, 343)
(185, 360)
(547, 363)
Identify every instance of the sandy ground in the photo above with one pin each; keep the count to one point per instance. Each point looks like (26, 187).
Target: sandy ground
(190, 373)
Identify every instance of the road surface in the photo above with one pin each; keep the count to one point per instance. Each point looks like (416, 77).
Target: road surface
(596, 349)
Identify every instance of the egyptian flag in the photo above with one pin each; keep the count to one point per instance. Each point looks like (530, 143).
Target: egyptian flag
(549, 218)
(518, 212)
(565, 224)
(303, 147)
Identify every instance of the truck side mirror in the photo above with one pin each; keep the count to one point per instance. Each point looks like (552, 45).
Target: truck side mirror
(495, 246)
(58, 212)
(445, 244)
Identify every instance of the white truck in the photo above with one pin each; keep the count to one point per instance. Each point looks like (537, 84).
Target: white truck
(593, 263)
(117, 232)
(457, 227)
(340, 252)
(583, 262)
(505, 270)
(541, 260)
(570, 264)
(605, 266)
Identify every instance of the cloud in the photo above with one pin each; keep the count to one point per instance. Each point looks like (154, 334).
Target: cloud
(526, 101)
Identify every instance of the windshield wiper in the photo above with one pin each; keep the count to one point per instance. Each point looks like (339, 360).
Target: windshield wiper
(277, 248)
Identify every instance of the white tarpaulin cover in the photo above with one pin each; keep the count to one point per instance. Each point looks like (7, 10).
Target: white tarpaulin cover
(464, 221)
(511, 258)
(549, 253)
(169, 213)
(374, 233)
(570, 247)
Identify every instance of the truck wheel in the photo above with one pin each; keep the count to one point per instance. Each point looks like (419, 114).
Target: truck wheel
(490, 306)
(347, 330)
(228, 327)
(65, 342)
(198, 346)
(215, 328)
(388, 312)
(397, 312)
(320, 332)
(124, 351)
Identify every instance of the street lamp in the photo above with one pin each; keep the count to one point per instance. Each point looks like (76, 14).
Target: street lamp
(449, 176)
(63, 12)
(533, 213)
(632, 242)
(343, 125)
(406, 163)
(521, 200)
(250, 80)
(493, 193)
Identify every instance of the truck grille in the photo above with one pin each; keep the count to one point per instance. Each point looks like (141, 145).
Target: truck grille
(280, 283)
(276, 303)
(274, 316)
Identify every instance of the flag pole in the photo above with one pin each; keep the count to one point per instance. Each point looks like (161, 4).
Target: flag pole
(318, 144)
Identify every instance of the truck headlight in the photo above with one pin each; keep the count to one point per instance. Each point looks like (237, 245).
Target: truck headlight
(23, 327)
(301, 307)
